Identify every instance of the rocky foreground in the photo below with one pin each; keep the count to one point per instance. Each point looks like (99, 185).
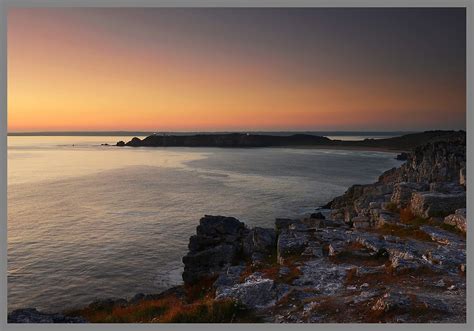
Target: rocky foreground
(392, 251)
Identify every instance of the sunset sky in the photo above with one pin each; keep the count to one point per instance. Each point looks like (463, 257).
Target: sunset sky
(236, 69)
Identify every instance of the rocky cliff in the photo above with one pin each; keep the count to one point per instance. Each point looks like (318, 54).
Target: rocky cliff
(392, 251)
(431, 183)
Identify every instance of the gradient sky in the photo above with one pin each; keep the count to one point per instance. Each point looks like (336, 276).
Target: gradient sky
(209, 69)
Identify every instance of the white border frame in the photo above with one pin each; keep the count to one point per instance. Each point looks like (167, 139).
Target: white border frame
(5, 4)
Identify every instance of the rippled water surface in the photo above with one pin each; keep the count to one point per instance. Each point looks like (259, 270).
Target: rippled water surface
(87, 221)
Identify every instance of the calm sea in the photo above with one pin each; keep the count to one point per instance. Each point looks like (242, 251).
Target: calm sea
(87, 221)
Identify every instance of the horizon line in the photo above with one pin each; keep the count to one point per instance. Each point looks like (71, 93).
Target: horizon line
(131, 132)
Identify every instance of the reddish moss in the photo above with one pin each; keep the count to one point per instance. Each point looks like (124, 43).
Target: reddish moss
(208, 311)
(201, 289)
(406, 215)
(271, 269)
(141, 312)
(403, 232)
(171, 310)
(351, 274)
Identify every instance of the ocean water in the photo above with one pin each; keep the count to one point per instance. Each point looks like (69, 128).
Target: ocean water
(357, 137)
(87, 221)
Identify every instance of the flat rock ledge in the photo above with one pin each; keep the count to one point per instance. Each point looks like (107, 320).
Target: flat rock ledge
(31, 315)
(311, 269)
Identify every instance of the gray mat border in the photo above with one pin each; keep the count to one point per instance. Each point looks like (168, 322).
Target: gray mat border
(5, 4)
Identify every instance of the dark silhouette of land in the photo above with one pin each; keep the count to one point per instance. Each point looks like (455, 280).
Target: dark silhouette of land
(404, 142)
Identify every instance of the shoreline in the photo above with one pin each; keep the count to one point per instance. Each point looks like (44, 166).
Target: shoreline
(349, 148)
(324, 147)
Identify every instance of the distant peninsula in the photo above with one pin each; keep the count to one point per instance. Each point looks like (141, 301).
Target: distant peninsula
(243, 140)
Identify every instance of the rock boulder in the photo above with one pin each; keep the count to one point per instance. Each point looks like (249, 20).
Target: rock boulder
(259, 243)
(255, 292)
(217, 245)
(31, 315)
(403, 191)
(458, 219)
(291, 243)
(429, 204)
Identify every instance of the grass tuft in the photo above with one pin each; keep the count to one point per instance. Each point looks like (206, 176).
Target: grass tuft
(200, 290)
(171, 310)
(209, 311)
(141, 312)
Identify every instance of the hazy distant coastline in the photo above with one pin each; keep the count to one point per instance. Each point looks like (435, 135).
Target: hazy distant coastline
(188, 133)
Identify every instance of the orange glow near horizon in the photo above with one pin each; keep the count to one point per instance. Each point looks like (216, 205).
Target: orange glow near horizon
(69, 72)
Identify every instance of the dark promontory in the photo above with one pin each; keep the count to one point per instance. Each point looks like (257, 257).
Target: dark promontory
(405, 142)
